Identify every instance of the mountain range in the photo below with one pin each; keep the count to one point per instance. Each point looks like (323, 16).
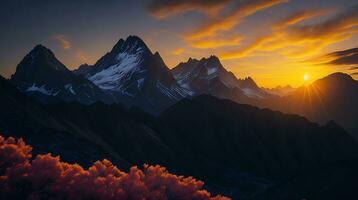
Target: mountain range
(132, 75)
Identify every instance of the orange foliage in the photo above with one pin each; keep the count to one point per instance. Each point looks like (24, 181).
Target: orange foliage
(46, 177)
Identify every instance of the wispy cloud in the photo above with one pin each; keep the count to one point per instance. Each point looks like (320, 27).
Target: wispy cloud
(233, 17)
(299, 17)
(216, 42)
(178, 51)
(223, 16)
(62, 40)
(293, 39)
(347, 57)
(82, 56)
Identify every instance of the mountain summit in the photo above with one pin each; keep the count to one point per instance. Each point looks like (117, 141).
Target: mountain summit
(208, 76)
(135, 75)
(42, 75)
(37, 65)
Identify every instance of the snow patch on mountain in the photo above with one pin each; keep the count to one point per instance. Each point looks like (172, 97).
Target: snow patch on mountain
(166, 91)
(70, 88)
(41, 89)
(212, 70)
(140, 82)
(252, 93)
(112, 77)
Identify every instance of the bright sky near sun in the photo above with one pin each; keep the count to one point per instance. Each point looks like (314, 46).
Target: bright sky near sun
(277, 42)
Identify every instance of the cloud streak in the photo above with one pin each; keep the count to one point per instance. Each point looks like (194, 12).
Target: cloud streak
(229, 20)
(346, 57)
(292, 39)
(223, 16)
(214, 43)
(62, 40)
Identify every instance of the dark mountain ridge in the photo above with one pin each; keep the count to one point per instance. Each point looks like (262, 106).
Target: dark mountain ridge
(333, 97)
(228, 145)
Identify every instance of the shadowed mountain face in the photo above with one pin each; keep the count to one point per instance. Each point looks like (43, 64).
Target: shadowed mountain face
(208, 76)
(41, 75)
(77, 132)
(237, 149)
(334, 97)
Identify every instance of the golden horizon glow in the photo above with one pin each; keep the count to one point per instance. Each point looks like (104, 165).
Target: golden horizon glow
(273, 41)
(279, 52)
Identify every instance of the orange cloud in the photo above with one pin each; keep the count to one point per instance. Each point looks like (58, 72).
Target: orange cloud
(82, 56)
(62, 39)
(228, 21)
(339, 25)
(166, 8)
(213, 43)
(247, 49)
(299, 16)
(178, 51)
(294, 40)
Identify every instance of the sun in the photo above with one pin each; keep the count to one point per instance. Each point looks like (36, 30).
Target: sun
(306, 77)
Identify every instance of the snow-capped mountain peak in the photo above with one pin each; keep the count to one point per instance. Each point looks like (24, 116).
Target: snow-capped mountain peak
(209, 76)
(133, 73)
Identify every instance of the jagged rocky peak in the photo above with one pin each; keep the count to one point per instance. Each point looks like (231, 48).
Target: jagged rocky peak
(125, 53)
(40, 50)
(41, 75)
(212, 59)
(135, 76)
(209, 65)
(248, 82)
(132, 45)
(40, 56)
(38, 65)
(83, 69)
(129, 62)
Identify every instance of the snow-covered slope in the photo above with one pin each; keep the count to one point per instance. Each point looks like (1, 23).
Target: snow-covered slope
(209, 76)
(135, 75)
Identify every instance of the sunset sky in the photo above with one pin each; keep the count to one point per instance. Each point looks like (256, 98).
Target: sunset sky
(277, 42)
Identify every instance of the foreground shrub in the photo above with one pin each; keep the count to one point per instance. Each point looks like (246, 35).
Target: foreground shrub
(46, 177)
